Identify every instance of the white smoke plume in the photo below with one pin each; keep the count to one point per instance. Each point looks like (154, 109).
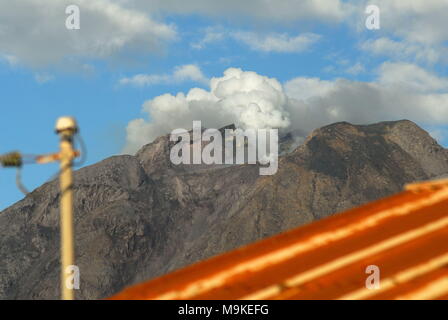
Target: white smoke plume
(250, 100)
(246, 99)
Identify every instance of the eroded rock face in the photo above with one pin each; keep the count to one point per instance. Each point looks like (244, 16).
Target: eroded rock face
(139, 216)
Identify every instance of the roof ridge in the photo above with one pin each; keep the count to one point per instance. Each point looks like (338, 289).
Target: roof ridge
(427, 185)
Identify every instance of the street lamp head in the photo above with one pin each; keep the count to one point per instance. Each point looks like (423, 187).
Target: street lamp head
(66, 125)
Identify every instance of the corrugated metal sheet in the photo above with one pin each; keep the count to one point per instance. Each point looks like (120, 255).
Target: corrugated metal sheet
(405, 236)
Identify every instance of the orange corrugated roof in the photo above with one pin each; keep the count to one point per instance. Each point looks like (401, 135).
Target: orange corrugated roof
(405, 235)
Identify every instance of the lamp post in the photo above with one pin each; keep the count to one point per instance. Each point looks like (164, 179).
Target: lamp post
(66, 128)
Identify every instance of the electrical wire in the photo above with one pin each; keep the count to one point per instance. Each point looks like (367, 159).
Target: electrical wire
(19, 181)
(17, 160)
(79, 140)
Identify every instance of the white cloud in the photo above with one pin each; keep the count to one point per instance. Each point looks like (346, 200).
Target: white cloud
(42, 78)
(401, 91)
(304, 88)
(189, 72)
(267, 42)
(403, 50)
(416, 21)
(276, 42)
(355, 69)
(278, 11)
(411, 30)
(9, 59)
(34, 31)
(211, 35)
(410, 77)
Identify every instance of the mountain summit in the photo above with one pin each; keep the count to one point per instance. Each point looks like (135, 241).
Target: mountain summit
(137, 217)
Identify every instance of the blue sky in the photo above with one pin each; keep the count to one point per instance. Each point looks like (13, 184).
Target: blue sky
(328, 65)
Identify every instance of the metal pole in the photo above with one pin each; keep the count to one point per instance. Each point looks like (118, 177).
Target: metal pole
(66, 202)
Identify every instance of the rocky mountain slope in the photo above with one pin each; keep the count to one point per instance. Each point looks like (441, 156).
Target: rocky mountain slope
(140, 216)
